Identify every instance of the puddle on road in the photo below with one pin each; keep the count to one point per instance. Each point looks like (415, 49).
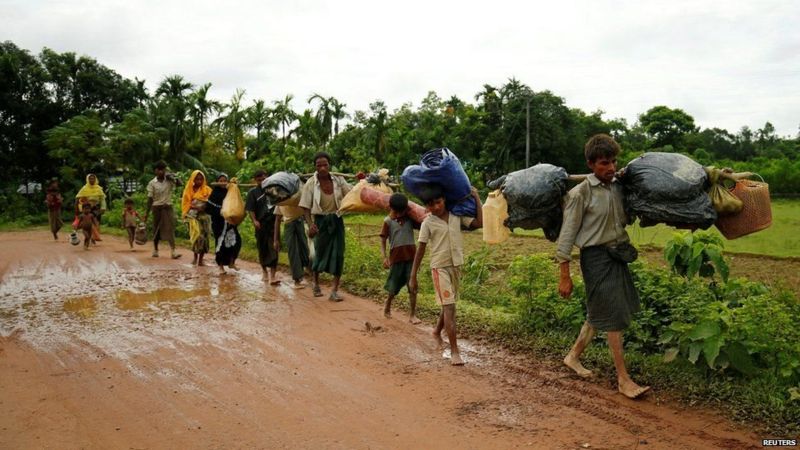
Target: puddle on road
(139, 300)
(124, 308)
(85, 306)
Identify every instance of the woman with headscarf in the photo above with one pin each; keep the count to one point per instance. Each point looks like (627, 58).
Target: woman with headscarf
(193, 204)
(53, 200)
(92, 193)
(226, 235)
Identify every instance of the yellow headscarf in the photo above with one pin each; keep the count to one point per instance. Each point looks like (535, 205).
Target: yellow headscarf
(190, 194)
(91, 191)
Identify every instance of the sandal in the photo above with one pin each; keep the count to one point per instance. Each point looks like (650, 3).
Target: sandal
(334, 297)
(317, 291)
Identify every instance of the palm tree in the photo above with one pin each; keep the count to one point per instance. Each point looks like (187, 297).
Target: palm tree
(324, 117)
(259, 116)
(173, 103)
(284, 115)
(201, 107)
(306, 133)
(234, 124)
(338, 113)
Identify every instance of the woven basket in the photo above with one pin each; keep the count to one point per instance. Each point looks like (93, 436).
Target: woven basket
(756, 213)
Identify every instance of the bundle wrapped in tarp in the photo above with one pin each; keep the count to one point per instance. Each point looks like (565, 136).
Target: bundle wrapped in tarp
(668, 188)
(380, 200)
(280, 186)
(351, 203)
(534, 198)
(441, 167)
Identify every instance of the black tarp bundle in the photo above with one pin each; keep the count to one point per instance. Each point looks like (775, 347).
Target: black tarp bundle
(668, 188)
(534, 198)
(280, 185)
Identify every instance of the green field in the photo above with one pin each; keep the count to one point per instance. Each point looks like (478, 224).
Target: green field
(781, 239)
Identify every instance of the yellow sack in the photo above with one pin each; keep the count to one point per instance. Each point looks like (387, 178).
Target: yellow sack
(723, 201)
(351, 203)
(232, 205)
(291, 201)
(290, 213)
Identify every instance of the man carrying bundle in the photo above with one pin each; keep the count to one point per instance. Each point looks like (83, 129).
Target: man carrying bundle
(594, 220)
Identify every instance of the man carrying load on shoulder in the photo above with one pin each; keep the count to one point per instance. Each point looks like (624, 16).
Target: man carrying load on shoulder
(594, 221)
(159, 201)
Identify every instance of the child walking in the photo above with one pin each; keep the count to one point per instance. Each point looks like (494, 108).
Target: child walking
(86, 222)
(398, 228)
(129, 220)
(442, 231)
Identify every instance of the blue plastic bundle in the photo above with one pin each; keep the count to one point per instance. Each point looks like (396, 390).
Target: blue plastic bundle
(441, 166)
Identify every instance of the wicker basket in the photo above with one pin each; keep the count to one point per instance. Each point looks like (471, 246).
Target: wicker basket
(756, 213)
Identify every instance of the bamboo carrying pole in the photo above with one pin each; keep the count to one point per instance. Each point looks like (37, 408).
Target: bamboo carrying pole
(726, 173)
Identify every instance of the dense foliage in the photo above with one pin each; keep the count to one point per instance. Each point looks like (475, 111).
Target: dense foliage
(65, 115)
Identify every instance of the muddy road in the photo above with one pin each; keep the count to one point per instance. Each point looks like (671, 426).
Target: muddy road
(109, 348)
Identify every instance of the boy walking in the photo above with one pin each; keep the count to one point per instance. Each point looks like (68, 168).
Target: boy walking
(594, 221)
(129, 219)
(442, 231)
(86, 222)
(398, 228)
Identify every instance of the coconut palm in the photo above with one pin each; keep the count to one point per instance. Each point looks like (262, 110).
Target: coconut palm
(201, 107)
(233, 124)
(284, 115)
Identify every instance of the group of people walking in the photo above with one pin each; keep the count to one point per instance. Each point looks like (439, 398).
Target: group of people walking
(594, 221)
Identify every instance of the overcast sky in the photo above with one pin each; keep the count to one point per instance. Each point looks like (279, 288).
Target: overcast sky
(727, 63)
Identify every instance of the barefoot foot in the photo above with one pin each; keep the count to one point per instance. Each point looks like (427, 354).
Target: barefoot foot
(414, 320)
(575, 364)
(455, 359)
(632, 390)
(438, 338)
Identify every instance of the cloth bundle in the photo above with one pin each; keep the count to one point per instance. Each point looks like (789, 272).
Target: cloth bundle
(668, 188)
(352, 202)
(534, 198)
(441, 166)
(140, 236)
(233, 206)
(280, 186)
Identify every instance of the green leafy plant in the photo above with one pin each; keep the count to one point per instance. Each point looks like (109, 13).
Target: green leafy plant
(699, 253)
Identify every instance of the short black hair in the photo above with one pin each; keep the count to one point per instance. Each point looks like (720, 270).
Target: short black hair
(430, 192)
(398, 202)
(128, 201)
(319, 155)
(600, 146)
(160, 165)
(260, 173)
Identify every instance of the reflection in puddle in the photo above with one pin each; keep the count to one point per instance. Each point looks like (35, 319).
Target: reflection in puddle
(138, 300)
(83, 306)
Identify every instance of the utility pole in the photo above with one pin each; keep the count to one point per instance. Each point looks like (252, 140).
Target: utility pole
(528, 133)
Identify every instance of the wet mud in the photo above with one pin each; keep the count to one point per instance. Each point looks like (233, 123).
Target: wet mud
(115, 349)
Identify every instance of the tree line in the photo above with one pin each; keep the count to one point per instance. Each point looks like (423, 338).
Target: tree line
(63, 115)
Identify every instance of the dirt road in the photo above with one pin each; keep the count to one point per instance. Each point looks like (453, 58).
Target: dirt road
(112, 349)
